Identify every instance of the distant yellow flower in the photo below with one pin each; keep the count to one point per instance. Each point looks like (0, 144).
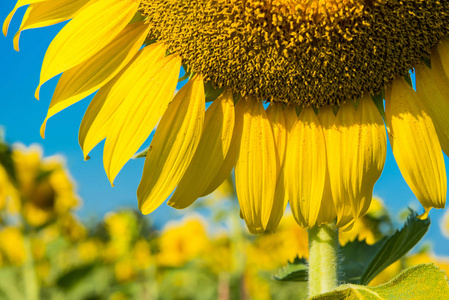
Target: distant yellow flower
(12, 245)
(124, 270)
(122, 229)
(307, 56)
(367, 228)
(45, 187)
(272, 251)
(142, 256)
(89, 250)
(72, 228)
(182, 241)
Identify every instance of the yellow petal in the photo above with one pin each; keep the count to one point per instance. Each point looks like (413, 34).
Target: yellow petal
(278, 122)
(84, 79)
(86, 34)
(415, 144)
(362, 153)
(432, 87)
(173, 145)
(327, 213)
(139, 113)
(48, 13)
(19, 4)
(210, 154)
(255, 170)
(305, 168)
(333, 185)
(231, 157)
(99, 115)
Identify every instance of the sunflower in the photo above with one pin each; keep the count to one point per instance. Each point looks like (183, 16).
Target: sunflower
(300, 114)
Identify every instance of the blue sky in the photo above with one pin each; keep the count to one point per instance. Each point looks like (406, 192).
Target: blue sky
(21, 116)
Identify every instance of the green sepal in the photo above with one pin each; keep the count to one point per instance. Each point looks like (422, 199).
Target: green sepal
(408, 78)
(294, 271)
(427, 62)
(378, 100)
(142, 154)
(138, 17)
(212, 93)
(421, 282)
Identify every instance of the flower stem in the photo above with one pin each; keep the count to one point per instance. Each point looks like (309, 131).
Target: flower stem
(29, 273)
(323, 259)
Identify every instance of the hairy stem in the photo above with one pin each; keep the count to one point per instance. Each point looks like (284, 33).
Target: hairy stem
(323, 259)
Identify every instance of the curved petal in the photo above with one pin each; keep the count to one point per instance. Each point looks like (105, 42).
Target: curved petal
(99, 115)
(327, 213)
(139, 113)
(87, 33)
(305, 168)
(18, 5)
(432, 87)
(255, 170)
(84, 79)
(333, 185)
(210, 154)
(173, 145)
(415, 145)
(362, 152)
(278, 122)
(231, 157)
(48, 13)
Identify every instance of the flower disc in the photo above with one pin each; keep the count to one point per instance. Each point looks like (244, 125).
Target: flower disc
(299, 51)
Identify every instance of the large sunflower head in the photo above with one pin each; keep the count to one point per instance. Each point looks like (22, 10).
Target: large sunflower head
(298, 90)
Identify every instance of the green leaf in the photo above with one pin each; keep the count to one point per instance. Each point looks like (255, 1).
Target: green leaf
(421, 282)
(396, 246)
(7, 162)
(294, 271)
(10, 287)
(72, 278)
(211, 92)
(356, 255)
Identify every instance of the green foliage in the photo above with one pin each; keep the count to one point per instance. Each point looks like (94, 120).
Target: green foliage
(6, 161)
(425, 281)
(74, 276)
(357, 255)
(9, 287)
(294, 271)
(396, 246)
(362, 262)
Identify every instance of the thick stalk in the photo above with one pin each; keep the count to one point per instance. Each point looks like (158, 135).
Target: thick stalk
(29, 273)
(323, 259)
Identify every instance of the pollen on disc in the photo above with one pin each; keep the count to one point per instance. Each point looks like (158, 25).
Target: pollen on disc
(299, 51)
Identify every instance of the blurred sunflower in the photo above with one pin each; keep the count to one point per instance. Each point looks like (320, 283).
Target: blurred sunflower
(322, 59)
(46, 190)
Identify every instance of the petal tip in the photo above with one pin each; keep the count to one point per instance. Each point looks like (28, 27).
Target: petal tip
(36, 93)
(424, 215)
(15, 41)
